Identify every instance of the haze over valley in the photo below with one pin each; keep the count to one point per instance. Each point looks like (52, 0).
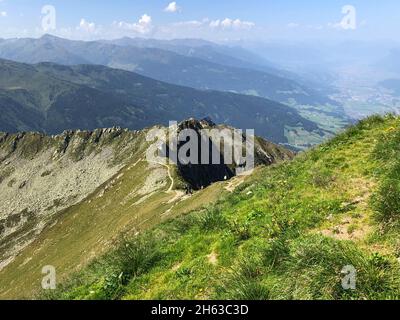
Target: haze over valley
(230, 150)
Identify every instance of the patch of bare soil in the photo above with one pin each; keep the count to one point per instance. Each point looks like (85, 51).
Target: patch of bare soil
(348, 229)
(354, 227)
(213, 258)
(234, 183)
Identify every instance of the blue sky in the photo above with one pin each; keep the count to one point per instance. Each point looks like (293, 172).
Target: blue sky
(210, 19)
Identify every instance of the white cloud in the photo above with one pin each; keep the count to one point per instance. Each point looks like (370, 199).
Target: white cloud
(206, 28)
(228, 23)
(215, 23)
(192, 23)
(172, 7)
(87, 30)
(3, 14)
(143, 26)
(225, 24)
(87, 26)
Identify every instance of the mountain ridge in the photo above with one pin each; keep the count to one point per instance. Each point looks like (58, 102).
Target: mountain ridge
(48, 183)
(272, 235)
(288, 232)
(91, 96)
(161, 65)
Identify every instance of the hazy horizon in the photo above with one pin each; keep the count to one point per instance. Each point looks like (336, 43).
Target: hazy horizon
(225, 21)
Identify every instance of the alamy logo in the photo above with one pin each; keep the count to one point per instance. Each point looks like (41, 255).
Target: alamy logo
(49, 19)
(49, 280)
(349, 277)
(349, 21)
(204, 146)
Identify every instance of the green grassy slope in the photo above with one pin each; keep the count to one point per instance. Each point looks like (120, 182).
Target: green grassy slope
(69, 198)
(285, 233)
(86, 230)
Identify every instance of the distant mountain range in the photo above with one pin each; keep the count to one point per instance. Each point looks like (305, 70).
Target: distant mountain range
(51, 98)
(234, 56)
(198, 64)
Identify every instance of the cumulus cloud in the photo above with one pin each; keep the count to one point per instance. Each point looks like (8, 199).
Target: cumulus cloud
(228, 23)
(172, 7)
(87, 26)
(87, 30)
(205, 28)
(192, 23)
(3, 14)
(143, 26)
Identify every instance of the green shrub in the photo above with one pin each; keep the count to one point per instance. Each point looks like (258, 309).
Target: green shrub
(242, 289)
(313, 271)
(184, 273)
(276, 252)
(133, 258)
(354, 131)
(388, 145)
(212, 219)
(241, 231)
(244, 283)
(322, 178)
(373, 120)
(112, 286)
(386, 201)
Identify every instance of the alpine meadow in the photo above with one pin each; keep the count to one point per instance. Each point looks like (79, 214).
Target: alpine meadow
(195, 157)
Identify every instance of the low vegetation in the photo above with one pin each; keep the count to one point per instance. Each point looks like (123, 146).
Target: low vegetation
(286, 233)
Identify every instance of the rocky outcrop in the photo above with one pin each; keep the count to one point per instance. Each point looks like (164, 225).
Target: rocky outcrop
(42, 175)
(201, 175)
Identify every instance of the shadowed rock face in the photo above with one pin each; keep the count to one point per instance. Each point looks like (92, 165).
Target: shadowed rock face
(200, 175)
